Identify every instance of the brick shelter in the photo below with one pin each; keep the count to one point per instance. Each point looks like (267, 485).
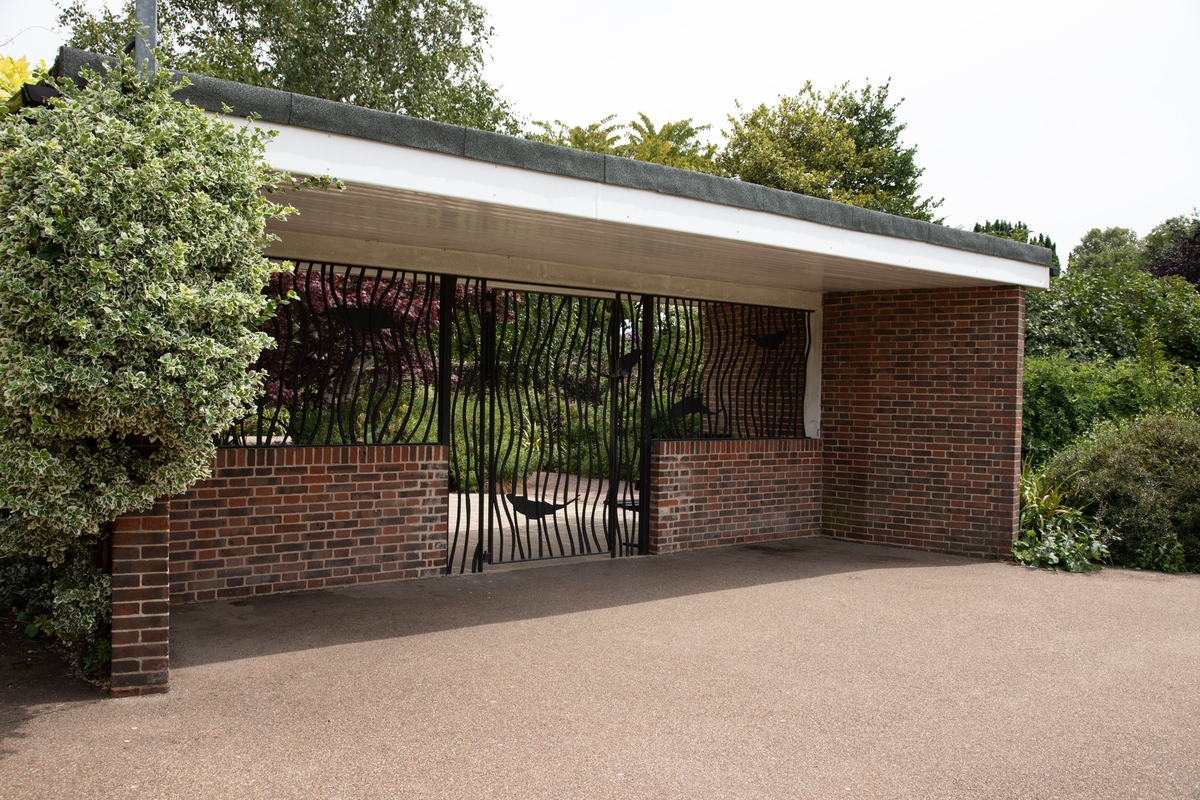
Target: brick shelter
(903, 388)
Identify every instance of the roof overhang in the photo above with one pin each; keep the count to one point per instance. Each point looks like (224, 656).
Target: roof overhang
(420, 210)
(431, 197)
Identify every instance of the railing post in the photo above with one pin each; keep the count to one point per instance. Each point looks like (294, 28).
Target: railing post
(445, 333)
(614, 422)
(647, 376)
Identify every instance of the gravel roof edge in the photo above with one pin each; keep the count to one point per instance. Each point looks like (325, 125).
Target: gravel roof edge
(328, 116)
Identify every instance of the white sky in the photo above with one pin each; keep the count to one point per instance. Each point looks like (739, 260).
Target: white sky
(1067, 115)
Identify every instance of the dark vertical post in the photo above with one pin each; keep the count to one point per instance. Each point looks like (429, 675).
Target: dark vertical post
(445, 332)
(614, 419)
(488, 442)
(647, 376)
(804, 367)
(145, 13)
(445, 403)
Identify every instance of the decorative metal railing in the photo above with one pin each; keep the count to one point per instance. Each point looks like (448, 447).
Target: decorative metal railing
(548, 402)
(728, 371)
(355, 359)
(546, 427)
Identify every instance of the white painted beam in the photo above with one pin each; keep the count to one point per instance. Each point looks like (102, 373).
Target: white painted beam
(306, 152)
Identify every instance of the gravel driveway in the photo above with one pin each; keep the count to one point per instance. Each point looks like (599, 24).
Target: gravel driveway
(807, 669)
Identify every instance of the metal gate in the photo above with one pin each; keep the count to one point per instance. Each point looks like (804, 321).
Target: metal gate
(548, 400)
(548, 428)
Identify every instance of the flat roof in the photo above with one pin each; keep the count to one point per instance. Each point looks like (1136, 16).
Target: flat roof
(431, 196)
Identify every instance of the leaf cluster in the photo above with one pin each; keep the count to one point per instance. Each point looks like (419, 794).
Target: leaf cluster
(1066, 397)
(1106, 303)
(844, 146)
(131, 277)
(68, 604)
(1173, 248)
(14, 73)
(674, 144)
(1055, 534)
(423, 58)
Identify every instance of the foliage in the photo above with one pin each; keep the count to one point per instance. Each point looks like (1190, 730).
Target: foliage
(1105, 304)
(68, 603)
(131, 280)
(1065, 398)
(1003, 229)
(843, 146)
(1054, 534)
(15, 73)
(423, 58)
(1105, 249)
(598, 137)
(1173, 248)
(1142, 479)
(675, 144)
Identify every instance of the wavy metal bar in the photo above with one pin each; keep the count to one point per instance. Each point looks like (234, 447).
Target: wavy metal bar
(355, 360)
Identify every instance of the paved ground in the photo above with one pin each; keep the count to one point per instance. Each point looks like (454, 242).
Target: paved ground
(802, 669)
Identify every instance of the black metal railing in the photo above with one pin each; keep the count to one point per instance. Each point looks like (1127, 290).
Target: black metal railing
(355, 360)
(728, 371)
(547, 435)
(548, 402)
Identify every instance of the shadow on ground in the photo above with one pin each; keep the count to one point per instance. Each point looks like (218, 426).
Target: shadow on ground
(33, 680)
(223, 631)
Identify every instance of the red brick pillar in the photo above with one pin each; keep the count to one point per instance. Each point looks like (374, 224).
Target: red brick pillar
(141, 601)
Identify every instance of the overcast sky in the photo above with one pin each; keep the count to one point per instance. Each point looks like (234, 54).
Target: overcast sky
(1067, 115)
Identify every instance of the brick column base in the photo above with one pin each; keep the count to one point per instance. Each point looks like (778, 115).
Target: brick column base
(141, 601)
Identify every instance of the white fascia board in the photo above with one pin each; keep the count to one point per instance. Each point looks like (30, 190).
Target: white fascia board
(306, 152)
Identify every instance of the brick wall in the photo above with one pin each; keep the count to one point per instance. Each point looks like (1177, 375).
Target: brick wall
(715, 492)
(140, 607)
(281, 519)
(921, 418)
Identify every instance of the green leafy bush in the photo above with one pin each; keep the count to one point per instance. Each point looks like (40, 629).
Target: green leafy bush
(131, 277)
(1105, 303)
(131, 288)
(1142, 479)
(1055, 534)
(1065, 398)
(68, 603)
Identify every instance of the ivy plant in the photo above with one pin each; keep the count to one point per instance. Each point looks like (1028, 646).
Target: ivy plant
(132, 230)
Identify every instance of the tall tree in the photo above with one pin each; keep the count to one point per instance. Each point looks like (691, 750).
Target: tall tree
(1105, 306)
(423, 58)
(1106, 249)
(1003, 229)
(843, 146)
(675, 144)
(1173, 248)
(599, 137)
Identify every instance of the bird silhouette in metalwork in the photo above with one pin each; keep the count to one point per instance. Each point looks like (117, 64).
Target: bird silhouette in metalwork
(626, 363)
(769, 341)
(535, 509)
(688, 406)
(365, 320)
